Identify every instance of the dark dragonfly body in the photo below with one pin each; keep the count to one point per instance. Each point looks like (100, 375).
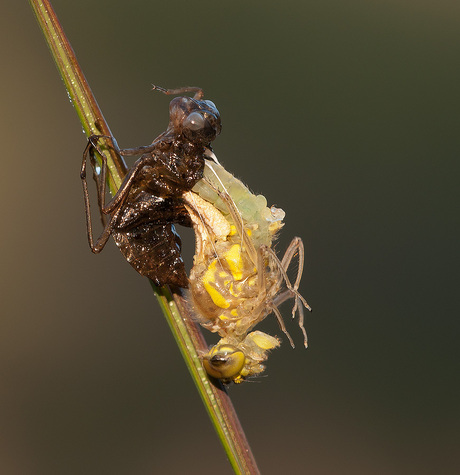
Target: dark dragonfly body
(141, 215)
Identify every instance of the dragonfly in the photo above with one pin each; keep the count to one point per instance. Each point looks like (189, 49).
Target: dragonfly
(237, 279)
(141, 215)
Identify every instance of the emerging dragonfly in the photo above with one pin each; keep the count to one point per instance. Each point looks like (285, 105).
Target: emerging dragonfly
(237, 278)
(149, 201)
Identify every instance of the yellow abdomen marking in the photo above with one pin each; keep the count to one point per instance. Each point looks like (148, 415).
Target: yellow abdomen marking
(234, 261)
(209, 278)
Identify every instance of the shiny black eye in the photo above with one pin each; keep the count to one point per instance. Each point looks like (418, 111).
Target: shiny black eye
(194, 121)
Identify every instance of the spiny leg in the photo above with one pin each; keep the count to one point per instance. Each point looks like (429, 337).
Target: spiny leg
(279, 317)
(100, 186)
(115, 206)
(122, 192)
(296, 245)
(180, 90)
(286, 295)
(142, 149)
(101, 179)
(291, 291)
(91, 148)
(103, 238)
(282, 266)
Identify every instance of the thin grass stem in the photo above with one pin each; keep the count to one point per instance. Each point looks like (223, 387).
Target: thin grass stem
(174, 305)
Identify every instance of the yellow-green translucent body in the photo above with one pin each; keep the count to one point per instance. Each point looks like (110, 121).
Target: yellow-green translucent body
(233, 281)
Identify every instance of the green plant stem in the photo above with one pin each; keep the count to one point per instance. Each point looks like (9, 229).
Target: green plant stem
(175, 307)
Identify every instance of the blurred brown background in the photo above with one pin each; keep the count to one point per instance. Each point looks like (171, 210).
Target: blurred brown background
(345, 114)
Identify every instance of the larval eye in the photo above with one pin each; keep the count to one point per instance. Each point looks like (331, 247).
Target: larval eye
(142, 221)
(210, 104)
(194, 121)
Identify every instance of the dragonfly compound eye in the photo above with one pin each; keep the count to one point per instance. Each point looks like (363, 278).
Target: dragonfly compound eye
(224, 362)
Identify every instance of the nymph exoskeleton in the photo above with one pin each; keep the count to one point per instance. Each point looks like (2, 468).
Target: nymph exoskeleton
(140, 216)
(237, 278)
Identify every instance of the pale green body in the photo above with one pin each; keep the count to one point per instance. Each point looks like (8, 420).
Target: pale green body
(236, 277)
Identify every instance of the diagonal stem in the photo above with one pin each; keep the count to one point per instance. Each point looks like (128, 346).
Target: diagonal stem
(186, 332)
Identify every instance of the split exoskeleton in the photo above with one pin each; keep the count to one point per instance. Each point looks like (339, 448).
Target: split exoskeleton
(142, 214)
(237, 279)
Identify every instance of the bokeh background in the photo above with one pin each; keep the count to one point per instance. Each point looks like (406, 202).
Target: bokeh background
(346, 115)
